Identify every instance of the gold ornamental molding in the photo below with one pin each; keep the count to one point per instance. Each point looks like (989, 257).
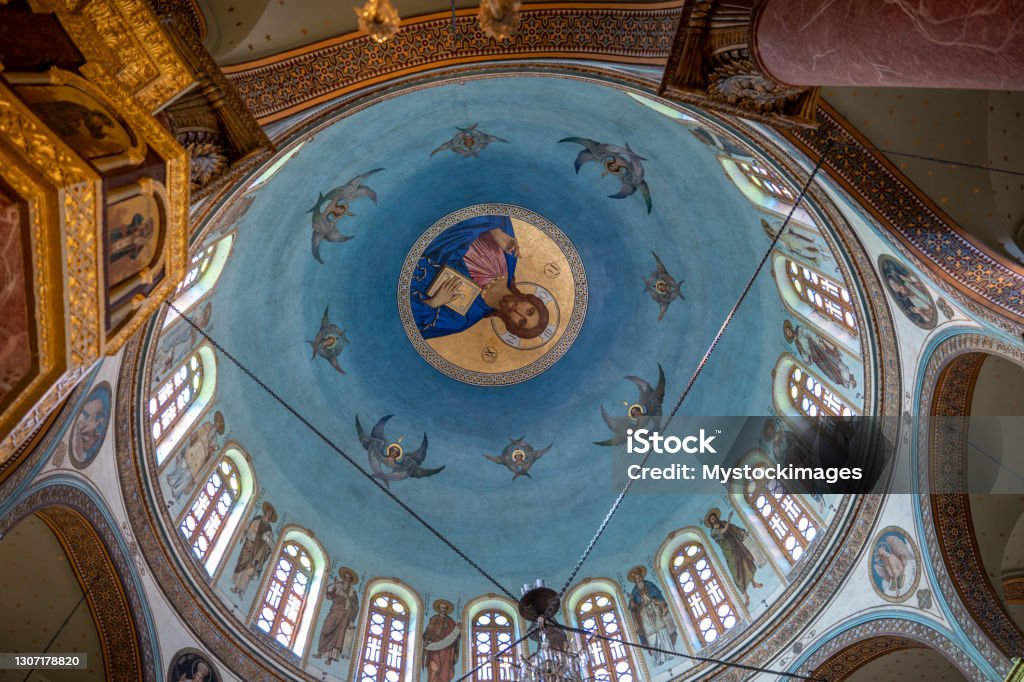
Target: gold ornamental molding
(94, 196)
(124, 37)
(985, 281)
(284, 84)
(713, 65)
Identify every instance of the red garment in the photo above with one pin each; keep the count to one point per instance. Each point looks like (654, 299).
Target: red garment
(485, 260)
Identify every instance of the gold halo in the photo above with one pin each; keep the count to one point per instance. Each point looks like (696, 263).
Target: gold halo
(269, 513)
(439, 602)
(346, 571)
(518, 455)
(635, 571)
(714, 511)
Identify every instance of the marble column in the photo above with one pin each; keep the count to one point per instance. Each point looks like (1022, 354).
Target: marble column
(892, 43)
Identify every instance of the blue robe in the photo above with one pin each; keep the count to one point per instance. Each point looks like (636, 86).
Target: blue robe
(449, 249)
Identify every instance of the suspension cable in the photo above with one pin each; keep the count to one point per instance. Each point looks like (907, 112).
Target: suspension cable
(700, 367)
(319, 434)
(671, 652)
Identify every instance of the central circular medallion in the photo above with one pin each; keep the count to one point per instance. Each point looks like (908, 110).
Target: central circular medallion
(492, 294)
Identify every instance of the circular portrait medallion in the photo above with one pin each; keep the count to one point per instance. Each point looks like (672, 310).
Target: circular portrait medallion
(895, 564)
(909, 292)
(492, 294)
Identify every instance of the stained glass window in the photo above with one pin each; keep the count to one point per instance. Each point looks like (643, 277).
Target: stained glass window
(767, 180)
(493, 631)
(386, 640)
(198, 266)
(823, 294)
(783, 516)
(813, 398)
(287, 592)
(172, 398)
(606, 661)
(706, 603)
(205, 519)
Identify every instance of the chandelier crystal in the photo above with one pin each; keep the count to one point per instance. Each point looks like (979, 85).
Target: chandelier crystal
(379, 19)
(557, 659)
(500, 19)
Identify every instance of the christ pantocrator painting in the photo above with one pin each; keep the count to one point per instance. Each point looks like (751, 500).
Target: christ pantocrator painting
(492, 294)
(467, 274)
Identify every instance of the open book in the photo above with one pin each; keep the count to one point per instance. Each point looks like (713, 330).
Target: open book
(466, 292)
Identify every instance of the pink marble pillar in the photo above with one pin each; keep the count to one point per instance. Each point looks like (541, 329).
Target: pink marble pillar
(969, 44)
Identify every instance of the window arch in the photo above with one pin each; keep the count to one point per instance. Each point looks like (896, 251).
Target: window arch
(205, 268)
(708, 606)
(606, 661)
(285, 609)
(217, 509)
(179, 400)
(386, 641)
(823, 294)
(493, 629)
(783, 515)
(812, 397)
(767, 180)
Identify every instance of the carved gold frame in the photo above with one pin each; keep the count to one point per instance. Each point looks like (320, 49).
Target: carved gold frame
(62, 193)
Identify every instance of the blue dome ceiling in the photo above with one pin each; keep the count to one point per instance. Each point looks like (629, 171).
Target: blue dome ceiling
(270, 300)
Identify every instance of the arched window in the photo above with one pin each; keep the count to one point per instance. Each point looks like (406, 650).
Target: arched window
(607, 661)
(204, 270)
(205, 519)
(707, 605)
(284, 601)
(783, 515)
(824, 294)
(218, 508)
(385, 644)
(811, 397)
(173, 398)
(767, 180)
(493, 631)
(198, 265)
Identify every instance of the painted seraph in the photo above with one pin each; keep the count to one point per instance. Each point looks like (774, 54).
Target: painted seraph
(645, 413)
(518, 456)
(329, 341)
(662, 287)
(325, 218)
(620, 161)
(469, 142)
(388, 460)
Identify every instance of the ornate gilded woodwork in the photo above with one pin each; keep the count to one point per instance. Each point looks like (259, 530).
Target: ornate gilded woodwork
(98, 190)
(713, 64)
(124, 37)
(210, 121)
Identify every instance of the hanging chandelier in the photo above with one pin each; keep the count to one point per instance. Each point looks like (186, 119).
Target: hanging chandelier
(500, 19)
(557, 659)
(379, 19)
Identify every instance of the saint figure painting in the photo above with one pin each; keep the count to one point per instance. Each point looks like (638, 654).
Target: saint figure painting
(492, 294)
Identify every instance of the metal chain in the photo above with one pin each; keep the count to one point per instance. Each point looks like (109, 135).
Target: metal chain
(700, 366)
(344, 456)
(701, 659)
(498, 654)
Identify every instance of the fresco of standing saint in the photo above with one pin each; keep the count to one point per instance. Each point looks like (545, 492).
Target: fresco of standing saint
(441, 643)
(344, 609)
(816, 350)
(738, 557)
(650, 613)
(257, 543)
(203, 443)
